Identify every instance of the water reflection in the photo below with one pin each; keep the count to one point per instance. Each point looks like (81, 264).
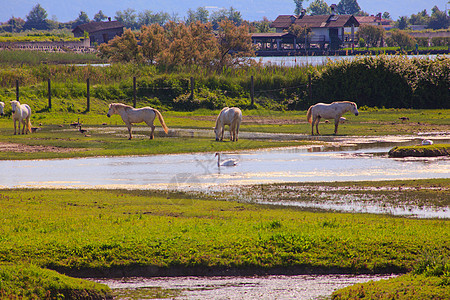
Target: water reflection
(268, 287)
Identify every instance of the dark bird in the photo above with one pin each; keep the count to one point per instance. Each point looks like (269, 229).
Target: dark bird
(83, 131)
(34, 129)
(404, 118)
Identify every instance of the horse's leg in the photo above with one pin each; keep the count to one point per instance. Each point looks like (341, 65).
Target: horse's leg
(153, 130)
(317, 125)
(15, 127)
(237, 132)
(232, 132)
(336, 123)
(129, 131)
(221, 133)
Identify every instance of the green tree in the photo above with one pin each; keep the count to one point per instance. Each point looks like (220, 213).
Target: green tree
(128, 18)
(402, 39)
(402, 23)
(302, 33)
(82, 19)
(16, 24)
(100, 16)
(348, 7)
(421, 18)
(262, 26)
(298, 7)
(386, 15)
(438, 19)
(319, 7)
(37, 19)
(147, 17)
(226, 14)
(201, 14)
(371, 34)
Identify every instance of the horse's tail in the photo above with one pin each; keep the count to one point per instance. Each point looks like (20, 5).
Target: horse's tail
(309, 114)
(161, 120)
(28, 118)
(29, 125)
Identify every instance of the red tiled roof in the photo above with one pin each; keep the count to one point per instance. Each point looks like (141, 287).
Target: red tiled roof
(316, 21)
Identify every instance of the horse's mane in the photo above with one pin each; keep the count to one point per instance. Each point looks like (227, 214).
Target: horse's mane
(218, 118)
(349, 102)
(122, 105)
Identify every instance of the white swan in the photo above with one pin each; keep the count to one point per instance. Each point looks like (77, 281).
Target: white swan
(226, 163)
(427, 142)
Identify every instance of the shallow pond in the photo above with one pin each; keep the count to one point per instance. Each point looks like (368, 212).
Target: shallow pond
(200, 171)
(268, 287)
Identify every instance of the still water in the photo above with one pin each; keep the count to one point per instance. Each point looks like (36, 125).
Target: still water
(301, 287)
(199, 171)
(289, 61)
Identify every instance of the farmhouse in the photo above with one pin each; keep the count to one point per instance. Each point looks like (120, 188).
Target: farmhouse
(375, 21)
(326, 30)
(99, 32)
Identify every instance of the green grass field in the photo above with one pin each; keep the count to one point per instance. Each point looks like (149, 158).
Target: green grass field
(100, 232)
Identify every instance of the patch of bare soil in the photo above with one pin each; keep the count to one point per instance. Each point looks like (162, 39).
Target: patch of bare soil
(21, 148)
(262, 120)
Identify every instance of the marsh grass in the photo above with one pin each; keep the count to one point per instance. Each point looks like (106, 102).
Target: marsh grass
(26, 281)
(98, 230)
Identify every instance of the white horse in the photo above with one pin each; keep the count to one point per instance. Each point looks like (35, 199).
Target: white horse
(231, 117)
(132, 115)
(22, 114)
(329, 111)
(2, 106)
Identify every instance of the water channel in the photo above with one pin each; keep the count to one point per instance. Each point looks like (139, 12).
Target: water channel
(300, 287)
(199, 171)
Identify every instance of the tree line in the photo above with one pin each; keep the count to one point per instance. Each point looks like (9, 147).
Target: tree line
(38, 17)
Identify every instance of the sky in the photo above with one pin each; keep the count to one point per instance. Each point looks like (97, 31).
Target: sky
(251, 10)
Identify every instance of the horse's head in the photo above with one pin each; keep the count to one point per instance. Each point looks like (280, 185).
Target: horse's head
(2, 106)
(217, 132)
(111, 110)
(14, 105)
(355, 109)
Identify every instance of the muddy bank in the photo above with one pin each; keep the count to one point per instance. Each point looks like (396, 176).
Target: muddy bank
(177, 271)
(420, 151)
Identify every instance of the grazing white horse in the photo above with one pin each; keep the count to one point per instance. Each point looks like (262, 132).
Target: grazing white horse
(329, 111)
(132, 115)
(21, 113)
(231, 117)
(2, 106)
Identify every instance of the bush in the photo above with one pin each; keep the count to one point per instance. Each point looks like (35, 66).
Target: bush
(382, 81)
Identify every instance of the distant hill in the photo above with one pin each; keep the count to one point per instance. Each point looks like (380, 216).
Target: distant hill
(251, 10)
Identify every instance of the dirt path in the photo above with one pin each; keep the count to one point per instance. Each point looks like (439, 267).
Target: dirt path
(22, 148)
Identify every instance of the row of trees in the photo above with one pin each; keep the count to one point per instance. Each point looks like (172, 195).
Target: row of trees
(38, 18)
(178, 44)
(437, 20)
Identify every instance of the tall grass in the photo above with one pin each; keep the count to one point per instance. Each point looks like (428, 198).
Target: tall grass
(98, 230)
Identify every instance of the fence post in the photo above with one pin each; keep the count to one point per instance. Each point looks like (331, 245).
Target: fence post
(310, 88)
(134, 91)
(252, 91)
(17, 89)
(88, 94)
(49, 94)
(192, 87)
